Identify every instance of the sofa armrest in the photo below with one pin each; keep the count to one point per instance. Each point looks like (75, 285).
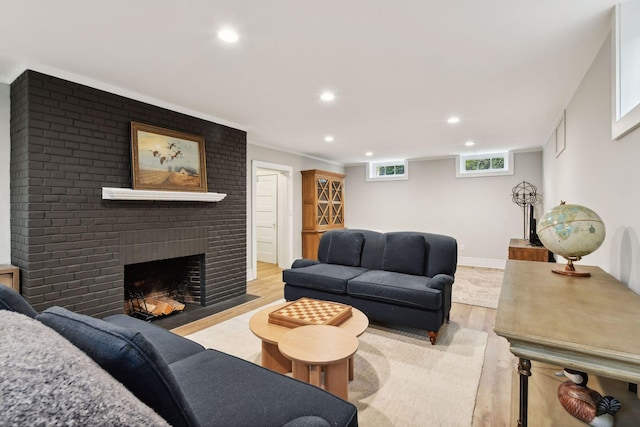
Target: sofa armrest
(444, 283)
(13, 301)
(441, 282)
(304, 262)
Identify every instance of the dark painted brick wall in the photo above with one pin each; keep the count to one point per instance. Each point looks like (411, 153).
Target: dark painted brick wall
(67, 142)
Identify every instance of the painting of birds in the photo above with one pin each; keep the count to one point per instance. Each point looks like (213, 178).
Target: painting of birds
(165, 159)
(586, 404)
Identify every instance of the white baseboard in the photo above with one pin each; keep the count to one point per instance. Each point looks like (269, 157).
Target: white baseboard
(482, 262)
(251, 275)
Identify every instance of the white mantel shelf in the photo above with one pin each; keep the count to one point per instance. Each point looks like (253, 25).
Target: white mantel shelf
(185, 196)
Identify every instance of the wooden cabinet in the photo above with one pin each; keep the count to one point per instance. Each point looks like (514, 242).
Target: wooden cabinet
(322, 207)
(521, 249)
(10, 276)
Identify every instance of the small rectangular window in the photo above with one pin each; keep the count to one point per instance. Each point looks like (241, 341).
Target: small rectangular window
(388, 171)
(484, 165)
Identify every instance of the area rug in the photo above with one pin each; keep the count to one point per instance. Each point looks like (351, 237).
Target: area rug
(477, 286)
(400, 378)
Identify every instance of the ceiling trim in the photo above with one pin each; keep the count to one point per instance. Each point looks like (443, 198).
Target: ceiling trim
(97, 84)
(295, 153)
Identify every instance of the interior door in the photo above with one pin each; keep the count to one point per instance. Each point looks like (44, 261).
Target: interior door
(267, 218)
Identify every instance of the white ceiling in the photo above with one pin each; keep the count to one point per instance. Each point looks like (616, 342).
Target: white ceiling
(399, 68)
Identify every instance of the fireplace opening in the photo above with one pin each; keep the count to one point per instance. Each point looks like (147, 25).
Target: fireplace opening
(159, 288)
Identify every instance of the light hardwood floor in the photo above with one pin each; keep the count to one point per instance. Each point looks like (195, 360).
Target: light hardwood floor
(494, 393)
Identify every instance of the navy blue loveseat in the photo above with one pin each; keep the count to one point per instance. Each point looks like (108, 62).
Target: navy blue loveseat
(402, 278)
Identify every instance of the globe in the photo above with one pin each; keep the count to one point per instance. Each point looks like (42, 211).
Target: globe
(571, 231)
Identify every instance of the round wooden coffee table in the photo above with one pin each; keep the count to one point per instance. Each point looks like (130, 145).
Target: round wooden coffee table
(270, 334)
(314, 349)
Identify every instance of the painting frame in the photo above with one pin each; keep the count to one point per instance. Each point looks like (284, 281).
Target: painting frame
(167, 160)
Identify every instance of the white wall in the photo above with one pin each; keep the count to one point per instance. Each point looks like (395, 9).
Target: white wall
(600, 173)
(5, 153)
(478, 212)
(297, 163)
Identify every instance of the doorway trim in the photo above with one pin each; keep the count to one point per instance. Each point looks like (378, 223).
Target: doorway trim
(284, 251)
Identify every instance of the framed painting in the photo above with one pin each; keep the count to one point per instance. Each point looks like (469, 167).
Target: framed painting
(164, 159)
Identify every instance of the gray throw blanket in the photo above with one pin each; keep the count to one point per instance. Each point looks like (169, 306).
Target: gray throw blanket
(46, 381)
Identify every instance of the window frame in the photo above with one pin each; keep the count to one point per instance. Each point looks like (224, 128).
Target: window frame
(507, 169)
(622, 124)
(372, 167)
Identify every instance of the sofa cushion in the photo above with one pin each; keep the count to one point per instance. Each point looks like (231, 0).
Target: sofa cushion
(345, 249)
(327, 277)
(404, 253)
(128, 357)
(170, 346)
(396, 288)
(13, 301)
(47, 381)
(240, 393)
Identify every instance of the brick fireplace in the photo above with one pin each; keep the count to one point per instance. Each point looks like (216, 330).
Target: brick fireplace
(68, 141)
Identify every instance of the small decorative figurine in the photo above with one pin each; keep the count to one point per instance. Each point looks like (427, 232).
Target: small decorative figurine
(586, 404)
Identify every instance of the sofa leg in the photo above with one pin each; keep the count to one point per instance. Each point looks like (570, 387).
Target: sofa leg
(432, 337)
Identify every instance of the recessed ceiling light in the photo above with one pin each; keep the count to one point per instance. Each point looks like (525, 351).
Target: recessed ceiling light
(469, 143)
(328, 138)
(368, 154)
(228, 35)
(327, 96)
(453, 119)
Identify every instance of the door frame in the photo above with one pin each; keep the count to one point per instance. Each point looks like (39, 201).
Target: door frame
(285, 222)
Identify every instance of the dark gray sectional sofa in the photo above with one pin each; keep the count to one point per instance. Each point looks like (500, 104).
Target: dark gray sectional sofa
(402, 278)
(184, 383)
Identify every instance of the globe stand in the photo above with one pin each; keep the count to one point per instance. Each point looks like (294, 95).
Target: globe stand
(525, 195)
(570, 270)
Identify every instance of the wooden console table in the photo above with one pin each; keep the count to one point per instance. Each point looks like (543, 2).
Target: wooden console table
(10, 276)
(521, 249)
(586, 323)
